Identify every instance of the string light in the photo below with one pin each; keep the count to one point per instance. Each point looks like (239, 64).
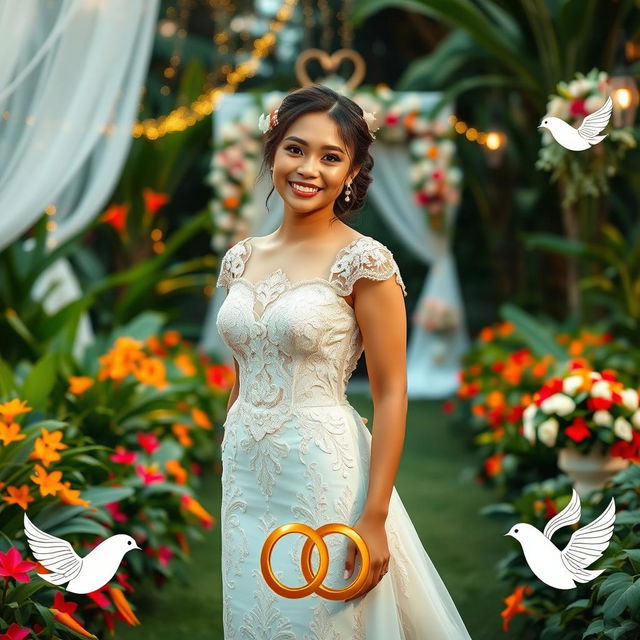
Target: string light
(185, 116)
(490, 139)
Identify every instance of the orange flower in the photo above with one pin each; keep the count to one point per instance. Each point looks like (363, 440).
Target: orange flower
(171, 338)
(493, 465)
(514, 605)
(19, 496)
(177, 470)
(181, 432)
(43, 453)
(184, 363)
(495, 399)
(52, 439)
(512, 374)
(10, 433)
(200, 418)
(71, 496)
(49, 482)
(156, 347)
(231, 202)
(192, 505)
(153, 200)
(116, 216)
(122, 605)
(575, 348)
(479, 410)
(506, 328)
(432, 152)
(182, 541)
(9, 410)
(486, 334)
(152, 372)
(79, 384)
(475, 369)
(122, 359)
(67, 620)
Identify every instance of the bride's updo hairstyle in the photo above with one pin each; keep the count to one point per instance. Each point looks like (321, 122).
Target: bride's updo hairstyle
(352, 128)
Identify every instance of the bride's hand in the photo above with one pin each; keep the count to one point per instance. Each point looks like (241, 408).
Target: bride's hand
(365, 420)
(374, 534)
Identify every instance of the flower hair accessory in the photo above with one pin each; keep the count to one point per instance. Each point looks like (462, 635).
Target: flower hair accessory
(268, 121)
(370, 119)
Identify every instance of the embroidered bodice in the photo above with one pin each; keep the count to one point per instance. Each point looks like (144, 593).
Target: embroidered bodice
(296, 343)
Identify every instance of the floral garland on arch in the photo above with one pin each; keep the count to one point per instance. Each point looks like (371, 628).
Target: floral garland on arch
(435, 176)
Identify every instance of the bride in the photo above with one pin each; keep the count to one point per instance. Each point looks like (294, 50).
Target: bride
(303, 304)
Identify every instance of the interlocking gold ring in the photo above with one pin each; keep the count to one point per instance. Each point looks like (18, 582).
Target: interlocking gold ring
(315, 537)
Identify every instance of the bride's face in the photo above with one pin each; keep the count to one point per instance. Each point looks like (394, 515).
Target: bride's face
(311, 152)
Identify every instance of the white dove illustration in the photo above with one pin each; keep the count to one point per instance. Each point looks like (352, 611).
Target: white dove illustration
(585, 135)
(84, 574)
(562, 569)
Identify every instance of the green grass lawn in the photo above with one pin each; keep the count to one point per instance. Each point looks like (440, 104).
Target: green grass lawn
(435, 483)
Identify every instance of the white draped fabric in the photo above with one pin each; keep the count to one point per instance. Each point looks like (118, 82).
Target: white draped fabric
(70, 85)
(433, 361)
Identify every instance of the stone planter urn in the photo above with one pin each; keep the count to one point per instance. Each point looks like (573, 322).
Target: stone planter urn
(590, 471)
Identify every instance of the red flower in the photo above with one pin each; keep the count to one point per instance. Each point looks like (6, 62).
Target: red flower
(116, 216)
(14, 632)
(498, 367)
(13, 566)
(148, 441)
(578, 430)
(154, 200)
(515, 416)
(577, 108)
(447, 406)
(422, 198)
(551, 508)
(598, 404)
(624, 449)
(549, 388)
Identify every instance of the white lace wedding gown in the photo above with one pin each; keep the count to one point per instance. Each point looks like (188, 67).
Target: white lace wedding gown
(295, 450)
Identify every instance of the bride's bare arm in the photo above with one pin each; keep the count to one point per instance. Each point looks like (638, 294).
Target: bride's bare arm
(380, 313)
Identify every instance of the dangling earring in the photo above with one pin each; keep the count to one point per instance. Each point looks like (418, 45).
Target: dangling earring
(347, 193)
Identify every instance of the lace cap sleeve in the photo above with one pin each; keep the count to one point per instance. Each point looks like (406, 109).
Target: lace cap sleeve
(232, 264)
(366, 258)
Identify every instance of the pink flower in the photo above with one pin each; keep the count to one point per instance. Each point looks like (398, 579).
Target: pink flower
(13, 566)
(149, 474)
(122, 456)
(164, 554)
(14, 632)
(115, 512)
